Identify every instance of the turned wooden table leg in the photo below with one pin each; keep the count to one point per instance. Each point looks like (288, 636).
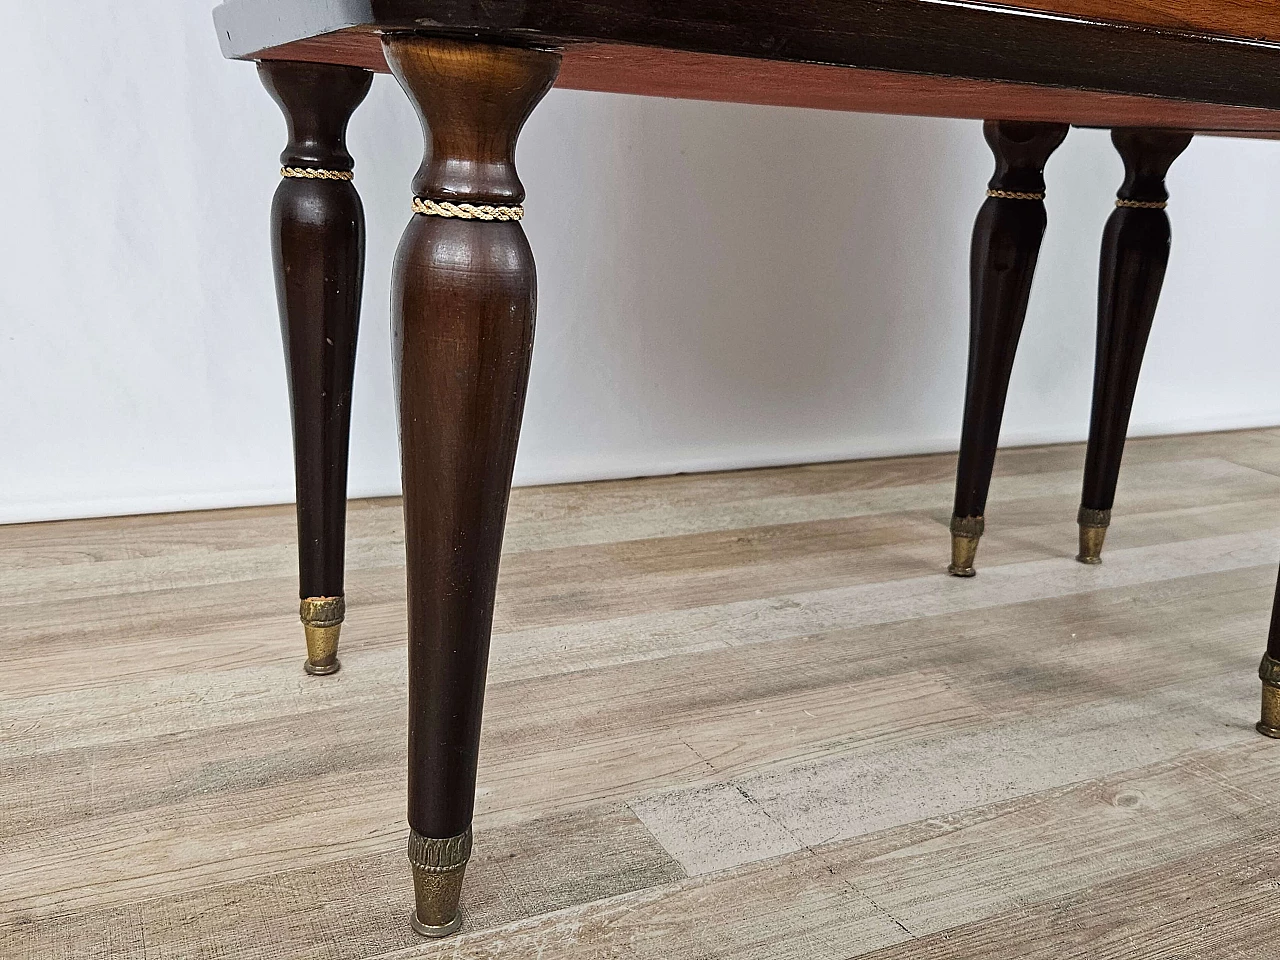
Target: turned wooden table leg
(1269, 673)
(463, 298)
(1006, 244)
(1135, 253)
(317, 239)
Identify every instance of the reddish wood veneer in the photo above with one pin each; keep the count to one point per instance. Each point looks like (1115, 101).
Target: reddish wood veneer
(1248, 19)
(647, 71)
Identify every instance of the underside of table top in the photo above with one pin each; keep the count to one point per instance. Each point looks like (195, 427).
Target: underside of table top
(1210, 65)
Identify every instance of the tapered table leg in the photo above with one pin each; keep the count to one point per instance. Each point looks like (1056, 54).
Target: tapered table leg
(1269, 672)
(317, 238)
(463, 297)
(1135, 253)
(1006, 245)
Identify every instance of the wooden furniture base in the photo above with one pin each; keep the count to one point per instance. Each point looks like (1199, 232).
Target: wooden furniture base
(1135, 253)
(462, 304)
(1269, 674)
(317, 240)
(1006, 244)
(1155, 71)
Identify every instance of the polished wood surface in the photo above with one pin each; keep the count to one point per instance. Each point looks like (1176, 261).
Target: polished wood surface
(1251, 19)
(462, 304)
(317, 240)
(678, 74)
(1135, 254)
(1273, 634)
(1002, 263)
(1037, 762)
(634, 47)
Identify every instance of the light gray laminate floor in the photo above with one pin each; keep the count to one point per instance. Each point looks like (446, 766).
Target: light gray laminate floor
(740, 715)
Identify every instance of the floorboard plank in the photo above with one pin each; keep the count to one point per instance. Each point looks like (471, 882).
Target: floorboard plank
(737, 715)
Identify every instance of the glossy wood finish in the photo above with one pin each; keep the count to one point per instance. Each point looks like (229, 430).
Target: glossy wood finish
(1229, 18)
(1006, 245)
(645, 71)
(653, 72)
(317, 241)
(1273, 635)
(962, 41)
(463, 302)
(1135, 253)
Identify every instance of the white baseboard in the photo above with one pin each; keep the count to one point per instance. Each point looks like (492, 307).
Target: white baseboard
(587, 468)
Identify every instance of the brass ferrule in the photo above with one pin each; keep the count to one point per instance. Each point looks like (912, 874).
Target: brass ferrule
(438, 870)
(322, 623)
(1269, 674)
(1093, 531)
(965, 534)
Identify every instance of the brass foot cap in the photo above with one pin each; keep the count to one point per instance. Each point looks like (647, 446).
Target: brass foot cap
(965, 534)
(1269, 673)
(322, 623)
(1093, 532)
(431, 930)
(439, 867)
(1266, 731)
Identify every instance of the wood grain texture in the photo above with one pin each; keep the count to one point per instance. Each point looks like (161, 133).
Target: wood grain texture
(1231, 18)
(704, 693)
(463, 300)
(685, 75)
(638, 47)
(1002, 264)
(1135, 255)
(317, 244)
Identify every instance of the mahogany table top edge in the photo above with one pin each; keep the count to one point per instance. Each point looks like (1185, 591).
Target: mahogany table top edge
(955, 59)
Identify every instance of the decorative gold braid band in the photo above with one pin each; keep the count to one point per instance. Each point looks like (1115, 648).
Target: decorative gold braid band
(1014, 195)
(1143, 204)
(315, 173)
(439, 856)
(465, 211)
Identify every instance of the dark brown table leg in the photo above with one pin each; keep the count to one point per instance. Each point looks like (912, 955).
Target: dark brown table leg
(1006, 244)
(317, 238)
(1269, 672)
(462, 307)
(1135, 253)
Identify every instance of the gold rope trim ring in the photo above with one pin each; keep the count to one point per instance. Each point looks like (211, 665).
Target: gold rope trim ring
(1143, 204)
(465, 211)
(314, 173)
(1014, 195)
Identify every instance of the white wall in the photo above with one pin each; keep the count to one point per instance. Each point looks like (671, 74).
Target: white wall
(720, 285)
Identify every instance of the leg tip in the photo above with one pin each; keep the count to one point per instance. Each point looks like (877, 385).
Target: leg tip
(439, 867)
(1267, 731)
(965, 534)
(432, 930)
(322, 669)
(1269, 672)
(322, 623)
(1093, 532)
